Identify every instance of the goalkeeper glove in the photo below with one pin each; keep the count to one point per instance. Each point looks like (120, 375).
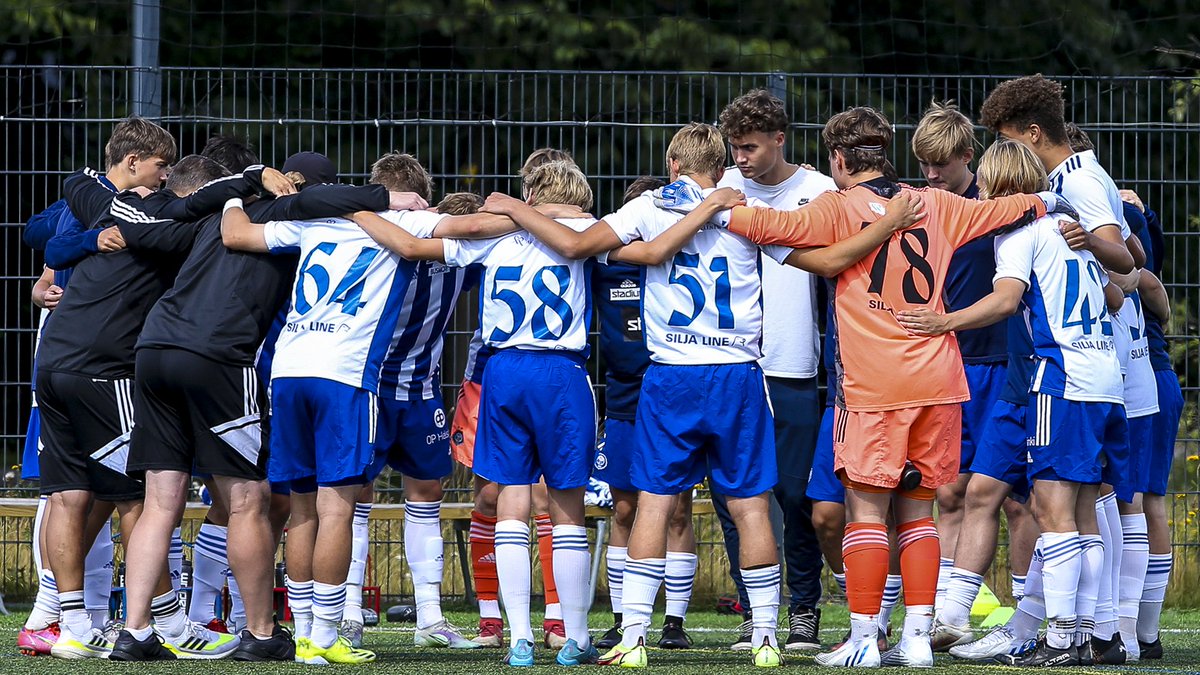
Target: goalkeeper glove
(681, 196)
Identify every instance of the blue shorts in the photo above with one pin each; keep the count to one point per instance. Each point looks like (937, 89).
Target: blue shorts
(321, 429)
(537, 418)
(1076, 441)
(1141, 448)
(698, 420)
(823, 483)
(281, 487)
(614, 457)
(414, 437)
(1001, 452)
(30, 467)
(985, 381)
(1165, 430)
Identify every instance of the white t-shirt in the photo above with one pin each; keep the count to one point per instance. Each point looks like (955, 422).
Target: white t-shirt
(1141, 389)
(704, 306)
(347, 297)
(1064, 308)
(791, 344)
(531, 297)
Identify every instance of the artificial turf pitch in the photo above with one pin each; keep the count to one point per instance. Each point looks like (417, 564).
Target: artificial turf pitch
(712, 633)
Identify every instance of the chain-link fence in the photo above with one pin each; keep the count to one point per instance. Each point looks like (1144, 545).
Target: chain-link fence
(472, 129)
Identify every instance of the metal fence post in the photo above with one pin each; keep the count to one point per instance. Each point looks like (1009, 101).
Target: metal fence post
(147, 77)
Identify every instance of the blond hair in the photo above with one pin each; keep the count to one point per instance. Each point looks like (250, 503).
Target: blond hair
(460, 204)
(943, 134)
(699, 149)
(1009, 168)
(541, 156)
(558, 182)
(401, 172)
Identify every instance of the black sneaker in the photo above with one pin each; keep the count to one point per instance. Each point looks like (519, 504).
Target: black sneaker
(674, 636)
(1042, 656)
(278, 647)
(1110, 652)
(610, 638)
(128, 648)
(1151, 650)
(1083, 652)
(804, 629)
(745, 638)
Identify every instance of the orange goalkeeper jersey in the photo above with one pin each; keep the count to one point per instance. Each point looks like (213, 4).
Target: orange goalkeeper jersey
(881, 366)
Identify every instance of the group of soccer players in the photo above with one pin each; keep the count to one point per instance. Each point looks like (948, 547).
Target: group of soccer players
(993, 341)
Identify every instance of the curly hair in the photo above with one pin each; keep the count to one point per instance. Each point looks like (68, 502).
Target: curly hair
(863, 136)
(1026, 101)
(755, 110)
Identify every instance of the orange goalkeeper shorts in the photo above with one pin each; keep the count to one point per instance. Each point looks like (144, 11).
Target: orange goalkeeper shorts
(872, 447)
(466, 418)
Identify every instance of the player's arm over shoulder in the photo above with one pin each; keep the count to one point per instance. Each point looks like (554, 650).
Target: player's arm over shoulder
(969, 219)
(397, 239)
(819, 223)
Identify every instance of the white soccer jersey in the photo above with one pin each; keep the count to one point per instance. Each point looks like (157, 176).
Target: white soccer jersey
(348, 294)
(791, 344)
(1092, 192)
(705, 305)
(1141, 389)
(1064, 307)
(530, 297)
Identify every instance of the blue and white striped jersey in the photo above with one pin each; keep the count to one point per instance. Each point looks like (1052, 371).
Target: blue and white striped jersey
(412, 362)
(349, 294)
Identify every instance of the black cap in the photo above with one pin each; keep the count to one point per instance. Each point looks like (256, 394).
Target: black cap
(315, 167)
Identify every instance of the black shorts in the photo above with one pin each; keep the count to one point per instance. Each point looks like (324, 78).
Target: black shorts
(197, 415)
(85, 431)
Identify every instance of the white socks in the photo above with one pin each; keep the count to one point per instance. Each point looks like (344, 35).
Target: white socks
(572, 567)
(1135, 555)
(300, 602)
(45, 604)
(329, 600)
(891, 596)
(360, 542)
(98, 576)
(762, 588)
(1091, 566)
(512, 566)
(423, 548)
(614, 564)
(210, 565)
(1109, 519)
(681, 575)
(175, 559)
(168, 614)
(960, 595)
(642, 579)
(1060, 578)
(1158, 573)
(945, 567)
(74, 617)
